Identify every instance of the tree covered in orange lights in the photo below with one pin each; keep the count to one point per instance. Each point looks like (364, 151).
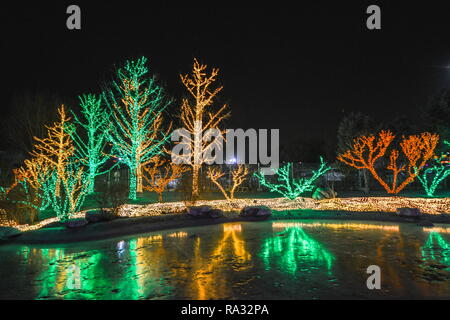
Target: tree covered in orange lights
(136, 103)
(367, 150)
(239, 174)
(198, 116)
(28, 190)
(32, 176)
(52, 176)
(159, 174)
(57, 148)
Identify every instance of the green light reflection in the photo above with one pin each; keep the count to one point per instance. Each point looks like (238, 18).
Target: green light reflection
(292, 250)
(436, 249)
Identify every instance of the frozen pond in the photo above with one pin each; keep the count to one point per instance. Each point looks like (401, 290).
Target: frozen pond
(286, 259)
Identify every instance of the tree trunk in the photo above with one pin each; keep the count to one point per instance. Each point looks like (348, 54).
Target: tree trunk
(195, 174)
(139, 187)
(91, 181)
(197, 156)
(366, 181)
(133, 182)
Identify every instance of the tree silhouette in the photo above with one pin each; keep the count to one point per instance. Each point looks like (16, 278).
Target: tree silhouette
(352, 126)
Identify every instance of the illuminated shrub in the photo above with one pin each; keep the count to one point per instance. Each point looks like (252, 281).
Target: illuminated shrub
(290, 187)
(159, 174)
(238, 175)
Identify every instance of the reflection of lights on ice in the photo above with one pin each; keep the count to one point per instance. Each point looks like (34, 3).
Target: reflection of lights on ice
(436, 229)
(232, 227)
(232, 161)
(155, 238)
(120, 249)
(178, 235)
(74, 282)
(352, 226)
(120, 245)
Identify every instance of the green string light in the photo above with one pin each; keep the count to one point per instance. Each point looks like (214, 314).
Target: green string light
(73, 187)
(136, 103)
(438, 171)
(94, 123)
(290, 187)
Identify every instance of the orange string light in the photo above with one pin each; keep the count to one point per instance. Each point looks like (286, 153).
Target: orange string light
(366, 150)
(238, 175)
(160, 174)
(197, 117)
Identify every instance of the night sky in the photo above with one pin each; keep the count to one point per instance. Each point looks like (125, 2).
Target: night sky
(299, 69)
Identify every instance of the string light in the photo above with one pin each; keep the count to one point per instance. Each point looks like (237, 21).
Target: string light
(74, 188)
(136, 103)
(355, 204)
(32, 177)
(57, 148)
(197, 118)
(435, 172)
(432, 177)
(238, 174)
(51, 176)
(94, 122)
(43, 223)
(290, 187)
(366, 150)
(160, 174)
(4, 221)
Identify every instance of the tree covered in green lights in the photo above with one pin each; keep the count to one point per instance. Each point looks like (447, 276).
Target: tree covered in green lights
(136, 103)
(91, 140)
(289, 186)
(73, 189)
(435, 173)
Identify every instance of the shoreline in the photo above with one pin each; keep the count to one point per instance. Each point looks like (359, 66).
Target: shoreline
(134, 226)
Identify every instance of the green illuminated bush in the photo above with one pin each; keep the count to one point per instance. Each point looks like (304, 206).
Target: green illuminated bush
(290, 187)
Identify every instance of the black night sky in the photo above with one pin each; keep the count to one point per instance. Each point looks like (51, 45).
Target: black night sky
(296, 68)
